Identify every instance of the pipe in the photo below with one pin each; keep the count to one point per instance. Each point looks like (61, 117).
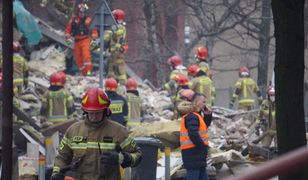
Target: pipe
(282, 165)
(7, 103)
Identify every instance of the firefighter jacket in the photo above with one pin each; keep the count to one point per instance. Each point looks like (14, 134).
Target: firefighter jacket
(203, 84)
(171, 85)
(135, 104)
(245, 88)
(115, 40)
(79, 28)
(57, 104)
(83, 144)
(21, 73)
(118, 107)
(268, 114)
(193, 136)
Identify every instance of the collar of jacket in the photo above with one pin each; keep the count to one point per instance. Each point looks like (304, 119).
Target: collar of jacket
(201, 73)
(95, 124)
(135, 92)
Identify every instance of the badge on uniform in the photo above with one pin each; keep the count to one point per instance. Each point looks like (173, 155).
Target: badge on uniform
(77, 139)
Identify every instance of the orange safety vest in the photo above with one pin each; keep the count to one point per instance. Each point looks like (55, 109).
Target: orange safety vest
(185, 141)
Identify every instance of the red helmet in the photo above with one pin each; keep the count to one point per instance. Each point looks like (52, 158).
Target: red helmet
(202, 53)
(16, 46)
(111, 84)
(82, 7)
(193, 70)
(175, 61)
(56, 79)
(95, 99)
(270, 91)
(244, 71)
(63, 76)
(131, 84)
(186, 94)
(119, 15)
(181, 79)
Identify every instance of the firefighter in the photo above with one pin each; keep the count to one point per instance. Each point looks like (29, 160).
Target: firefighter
(201, 58)
(202, 84)
(78, 28)
(245, 87)
(21, 73)
(118, 105)
(182, 84)
(176, 65)
(267, 118)
(196, 119)
(115, 43)
(57, 102)
(97, 147)
(134, 102)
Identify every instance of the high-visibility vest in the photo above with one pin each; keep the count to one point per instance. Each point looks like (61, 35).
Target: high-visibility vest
(185, 141)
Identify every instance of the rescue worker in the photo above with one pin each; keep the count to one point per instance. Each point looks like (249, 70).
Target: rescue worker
(97, 147)
(267, 118)
(182, 84)
(78, 28)
(245, 87)
(115, 43)
(57, 102)
(21, 73)
(176, 65)
(196, 119)
(201, 58)
(134, 102)
(118, 104)
(202, 84)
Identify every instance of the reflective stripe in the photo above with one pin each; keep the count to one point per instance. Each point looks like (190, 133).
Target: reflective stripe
(246, 101)
(56, 169)
(190, 142)
(92, 145)
(126, 142)
(200, 133)
(58, 118)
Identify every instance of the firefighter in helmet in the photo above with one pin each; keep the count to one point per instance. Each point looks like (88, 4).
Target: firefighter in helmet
(115, 43)
(245, 87)
(57, 102)
(118, 104)
(97, 147)
(202, 84)
(201, 58)
(176, 65)
(134, 102)
(267, 118)
(21, 72)
(78, 30)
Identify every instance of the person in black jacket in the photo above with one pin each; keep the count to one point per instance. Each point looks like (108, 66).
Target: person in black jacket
(118, 105)
(196, 119)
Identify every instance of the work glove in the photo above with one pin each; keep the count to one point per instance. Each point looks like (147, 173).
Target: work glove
(93, 44)
(69, 41)
(111, 158)
(57, 176)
